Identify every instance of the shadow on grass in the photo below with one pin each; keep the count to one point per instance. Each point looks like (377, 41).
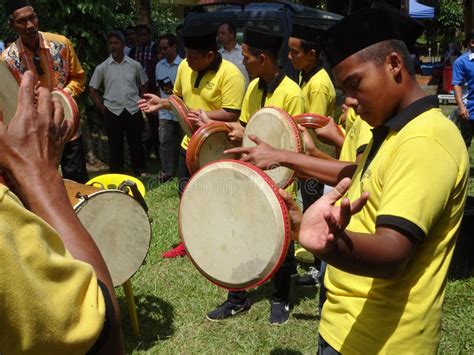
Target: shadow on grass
(155, 320)
(285, 351)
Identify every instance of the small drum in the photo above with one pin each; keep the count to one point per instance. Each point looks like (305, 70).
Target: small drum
(118, 224)
(312, 121)
(208, 145)
(9, 98)
(181, 112)
(275, 127)
(234, 224)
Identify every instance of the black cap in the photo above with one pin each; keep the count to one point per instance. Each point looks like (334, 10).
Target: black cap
(12, 5)
(306, 32)
(263, 39)
(365, 28)
(200, 37)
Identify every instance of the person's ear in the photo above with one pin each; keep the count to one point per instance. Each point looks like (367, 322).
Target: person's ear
(262, 58)
(394, 63)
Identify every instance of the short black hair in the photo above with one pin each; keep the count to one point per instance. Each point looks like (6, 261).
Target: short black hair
(171, 38)
(230, 26)
(116, 34)
(256, 52)
(378, 52)
(143, 26)
(307, 46)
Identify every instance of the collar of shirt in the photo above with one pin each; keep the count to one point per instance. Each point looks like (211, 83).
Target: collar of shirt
(176, 61)
(471, 55)
(214, 66)
(113, 61)
(397, 122)
(269, 88)
(305, 77)
(236, 48)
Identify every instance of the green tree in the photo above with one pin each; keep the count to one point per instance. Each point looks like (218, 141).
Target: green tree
(449, 21)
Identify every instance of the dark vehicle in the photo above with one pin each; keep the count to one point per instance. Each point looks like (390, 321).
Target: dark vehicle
(275, 16)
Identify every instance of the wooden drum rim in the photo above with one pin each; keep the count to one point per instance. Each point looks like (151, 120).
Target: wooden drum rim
(180, 107)
(198, 139)
(75, 111)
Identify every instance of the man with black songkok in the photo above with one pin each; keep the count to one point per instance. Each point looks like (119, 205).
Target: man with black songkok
(388, 263)
(205, 82)
(271, 87)
(54, 61)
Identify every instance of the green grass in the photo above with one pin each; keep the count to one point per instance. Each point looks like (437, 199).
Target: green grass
(173, 298)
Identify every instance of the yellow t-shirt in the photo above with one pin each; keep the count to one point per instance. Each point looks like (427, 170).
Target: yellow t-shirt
(356, 140)
(402, 314)
(219, 89)
(50, 303)
(320, 94)
(287, 96)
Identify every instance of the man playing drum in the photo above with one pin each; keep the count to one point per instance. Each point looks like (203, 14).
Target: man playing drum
(388, 264)
(271, 87)
(57, 296)
(205, 82)
(53, 60)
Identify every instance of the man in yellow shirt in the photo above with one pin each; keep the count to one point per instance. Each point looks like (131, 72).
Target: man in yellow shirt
(53, 60)
(271, 87)
(388, 263)
(56, 293)
(205, 82)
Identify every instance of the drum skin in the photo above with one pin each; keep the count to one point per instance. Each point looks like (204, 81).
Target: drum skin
(118, 224)
(234, 224)
(208, 145)
(275, 127)
(312, 121)
(181, 112)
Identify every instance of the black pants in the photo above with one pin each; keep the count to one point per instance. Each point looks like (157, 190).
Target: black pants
(183, 172)
(153, 143)
(73, 161)
(311, 190)
(324, 348)
(281, 281)
(169, 135)
(119, 126)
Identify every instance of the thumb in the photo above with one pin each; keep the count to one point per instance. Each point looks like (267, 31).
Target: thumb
(26, 93)
(339, 190)
(255, 139)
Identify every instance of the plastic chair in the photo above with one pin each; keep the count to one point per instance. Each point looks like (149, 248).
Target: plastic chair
(114, 181)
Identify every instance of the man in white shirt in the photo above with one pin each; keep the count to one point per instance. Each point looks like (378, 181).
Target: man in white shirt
(230, 49)
(168, 131)
(123, 79)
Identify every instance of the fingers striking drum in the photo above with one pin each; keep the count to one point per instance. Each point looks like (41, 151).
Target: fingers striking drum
(226, 240)
(117, 223)
(313, 121)
(275, 127)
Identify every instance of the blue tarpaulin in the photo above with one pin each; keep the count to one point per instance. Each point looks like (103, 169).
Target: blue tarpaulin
(417, 10)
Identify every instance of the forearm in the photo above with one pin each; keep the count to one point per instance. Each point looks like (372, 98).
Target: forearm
(45, 195)
(458, 96)
(223, 115)
(96, 99)
(329, 172)
(374, 255)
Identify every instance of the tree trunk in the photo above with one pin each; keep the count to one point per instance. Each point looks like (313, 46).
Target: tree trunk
(144, 12)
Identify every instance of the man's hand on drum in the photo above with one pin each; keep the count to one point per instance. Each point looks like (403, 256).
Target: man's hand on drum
(198, 118)
(330, 134)
(323, 224)
(33, 140)
(295, 213)
(151, 103)
(236, 134)
(263, 155)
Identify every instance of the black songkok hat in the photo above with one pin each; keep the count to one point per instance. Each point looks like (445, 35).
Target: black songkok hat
(200, 37)
(365, 28)
(306, 32)
(262, 39)
(12, 5)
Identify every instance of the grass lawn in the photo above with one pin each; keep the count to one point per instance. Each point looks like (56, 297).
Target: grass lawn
(173, 298)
